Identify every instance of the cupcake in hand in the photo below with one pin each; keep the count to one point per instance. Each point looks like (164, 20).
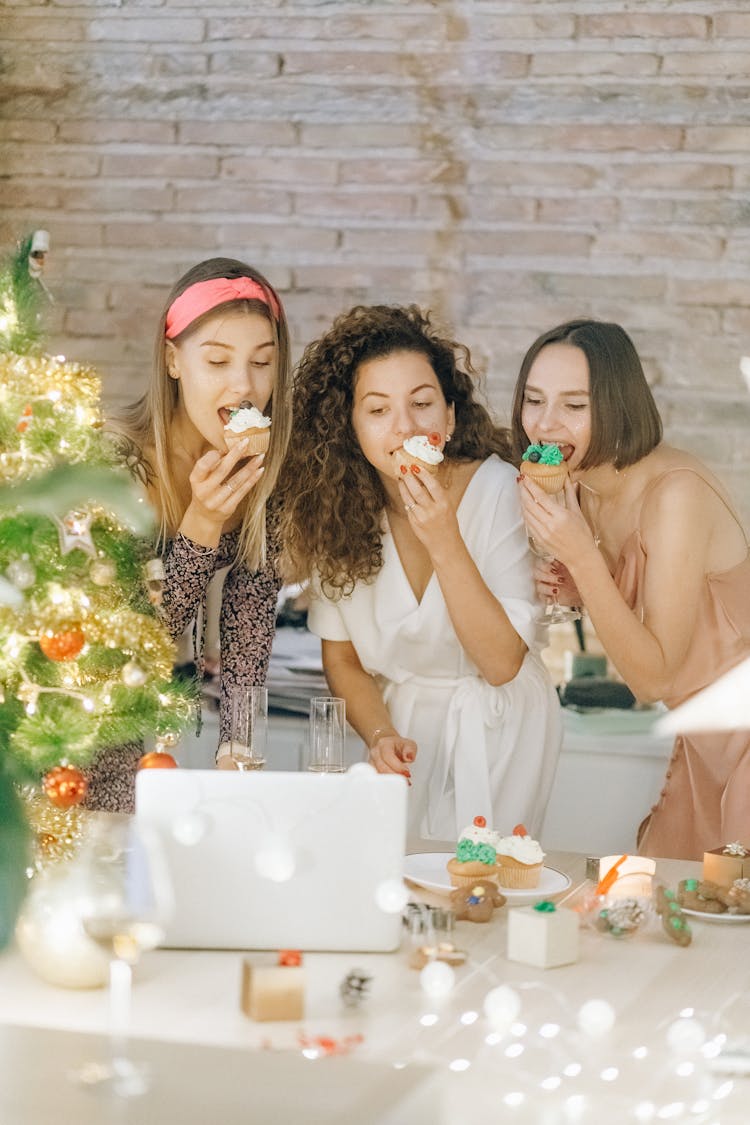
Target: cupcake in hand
(476, 855)
(248, 422)
(519, 860)
(419, 452)
(544, 464)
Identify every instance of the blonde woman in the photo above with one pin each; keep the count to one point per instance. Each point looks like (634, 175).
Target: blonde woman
(222, 341)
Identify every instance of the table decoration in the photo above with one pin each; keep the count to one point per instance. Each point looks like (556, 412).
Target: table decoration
(543, 935)
(273, 990)
(355, 987)
(50, 934)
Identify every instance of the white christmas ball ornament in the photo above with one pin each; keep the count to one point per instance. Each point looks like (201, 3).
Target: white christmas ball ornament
(596, 1017)
(501, 1007)
(22, 573)
(391, 896)
(437, 979)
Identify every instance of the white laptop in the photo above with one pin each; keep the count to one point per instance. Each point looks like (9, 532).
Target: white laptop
(277, 860)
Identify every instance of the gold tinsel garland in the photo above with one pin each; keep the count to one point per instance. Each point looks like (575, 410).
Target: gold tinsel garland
(34, 377)
(57, 832)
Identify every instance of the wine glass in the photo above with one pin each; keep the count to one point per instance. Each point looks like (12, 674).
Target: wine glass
(249, 730)
(554, 614)
(126, 902)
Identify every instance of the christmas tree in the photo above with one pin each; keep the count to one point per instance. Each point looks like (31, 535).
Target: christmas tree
(85, 663)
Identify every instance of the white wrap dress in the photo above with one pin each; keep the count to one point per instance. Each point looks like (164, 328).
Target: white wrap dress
(480, 749)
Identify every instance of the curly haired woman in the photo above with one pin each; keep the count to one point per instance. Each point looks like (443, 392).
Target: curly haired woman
(423, 586)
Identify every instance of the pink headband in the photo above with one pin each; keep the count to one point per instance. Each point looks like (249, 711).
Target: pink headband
(206, 295)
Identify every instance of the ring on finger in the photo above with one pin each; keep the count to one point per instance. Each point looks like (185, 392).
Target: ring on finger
(408, 507)
(229, 485)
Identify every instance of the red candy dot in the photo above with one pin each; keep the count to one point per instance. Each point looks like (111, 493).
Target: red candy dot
(520, 830)
(480, 822)
(434, 438)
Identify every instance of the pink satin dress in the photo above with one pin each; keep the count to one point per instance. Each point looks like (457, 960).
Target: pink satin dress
(705, 800)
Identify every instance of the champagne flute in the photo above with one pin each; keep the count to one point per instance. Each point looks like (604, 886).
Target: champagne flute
(554, 614)
(125, 905)
(249, 730)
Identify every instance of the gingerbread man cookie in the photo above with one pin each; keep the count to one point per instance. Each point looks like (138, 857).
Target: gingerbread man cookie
(477, 902)
(673, 921)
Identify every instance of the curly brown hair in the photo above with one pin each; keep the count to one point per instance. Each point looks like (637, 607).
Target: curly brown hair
(332, 498)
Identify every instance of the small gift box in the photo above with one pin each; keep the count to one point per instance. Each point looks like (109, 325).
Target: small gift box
(274, 991)
(543, 935)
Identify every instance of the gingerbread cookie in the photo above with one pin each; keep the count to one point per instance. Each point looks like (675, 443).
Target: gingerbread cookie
(673, 921)
(690, 894)
(477, 902)
(738, 897)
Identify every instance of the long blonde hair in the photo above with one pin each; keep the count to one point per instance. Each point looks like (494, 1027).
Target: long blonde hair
(145, 425)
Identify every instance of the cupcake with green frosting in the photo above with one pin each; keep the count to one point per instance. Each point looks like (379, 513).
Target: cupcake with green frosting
(476, 855)
(543, 463)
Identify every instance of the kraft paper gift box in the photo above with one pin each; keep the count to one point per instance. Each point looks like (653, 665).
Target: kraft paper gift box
(273, 991)
(543, 935)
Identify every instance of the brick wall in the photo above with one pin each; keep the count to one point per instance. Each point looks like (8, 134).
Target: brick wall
(509, 163)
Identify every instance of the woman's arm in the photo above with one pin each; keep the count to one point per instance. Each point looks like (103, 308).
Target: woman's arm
(677, 522)
(365, 709)
(482, 626)
(188, 568)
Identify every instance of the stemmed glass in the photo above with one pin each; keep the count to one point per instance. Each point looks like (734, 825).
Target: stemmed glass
(125, 905)
(554, 614)
(249, 730)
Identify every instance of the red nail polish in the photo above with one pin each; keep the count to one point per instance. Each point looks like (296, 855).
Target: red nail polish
(519, 478)
(555, 590)
(403, 468)
(415, 469)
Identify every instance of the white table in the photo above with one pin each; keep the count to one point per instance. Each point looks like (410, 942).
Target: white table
(184, 999)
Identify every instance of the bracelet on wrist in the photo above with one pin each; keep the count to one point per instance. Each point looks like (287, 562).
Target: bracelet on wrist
(378, 732)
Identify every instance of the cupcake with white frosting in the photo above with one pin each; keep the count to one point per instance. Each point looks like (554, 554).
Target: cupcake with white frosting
(421, 451)
(248, 422)
(519, 860)
(476, 855)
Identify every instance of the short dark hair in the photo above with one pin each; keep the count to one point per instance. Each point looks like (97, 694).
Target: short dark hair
(625, 421)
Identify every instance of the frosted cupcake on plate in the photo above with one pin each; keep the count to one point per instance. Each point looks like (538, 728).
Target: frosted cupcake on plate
(421, 451)
(476, 855)
(248, 422)
(519, 860)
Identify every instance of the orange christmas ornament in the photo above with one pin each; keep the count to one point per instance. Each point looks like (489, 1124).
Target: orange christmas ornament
(65, 786)
(62, 646)
(23, 422)
(157, 760)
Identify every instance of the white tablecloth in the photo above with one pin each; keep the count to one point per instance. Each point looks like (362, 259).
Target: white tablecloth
(189, 998)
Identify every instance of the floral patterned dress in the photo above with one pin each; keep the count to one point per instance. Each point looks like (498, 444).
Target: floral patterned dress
(246, 626)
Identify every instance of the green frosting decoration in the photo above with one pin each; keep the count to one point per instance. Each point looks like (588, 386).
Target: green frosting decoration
(691, 884)
(468, 852)
(545, 907)
(548, 454)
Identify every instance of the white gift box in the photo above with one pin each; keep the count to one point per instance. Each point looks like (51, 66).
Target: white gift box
(544, 938)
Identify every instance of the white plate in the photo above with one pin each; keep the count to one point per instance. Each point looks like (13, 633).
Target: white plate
(428, 870)
(705, 917)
